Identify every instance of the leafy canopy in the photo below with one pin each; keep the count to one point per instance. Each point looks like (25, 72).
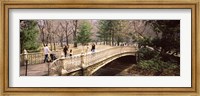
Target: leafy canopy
(84, 33)
(28, 35)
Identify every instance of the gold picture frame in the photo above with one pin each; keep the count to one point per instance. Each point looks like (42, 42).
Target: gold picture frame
(4, 64)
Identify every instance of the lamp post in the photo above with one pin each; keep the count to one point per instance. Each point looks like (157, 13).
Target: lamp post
(26, 61)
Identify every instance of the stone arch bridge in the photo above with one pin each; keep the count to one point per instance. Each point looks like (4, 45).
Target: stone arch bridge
(87, 64)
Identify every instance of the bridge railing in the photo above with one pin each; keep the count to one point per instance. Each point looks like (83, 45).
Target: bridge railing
(72, 63)
(35, 58)
(100, 56)
(91, 58)
(76, 62)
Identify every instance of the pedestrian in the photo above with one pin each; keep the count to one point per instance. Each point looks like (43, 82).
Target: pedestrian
(46, 52)
(65, 49)
(93, 48)
(70, 53)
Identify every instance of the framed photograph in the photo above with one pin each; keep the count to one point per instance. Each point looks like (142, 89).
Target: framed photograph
(102, 48)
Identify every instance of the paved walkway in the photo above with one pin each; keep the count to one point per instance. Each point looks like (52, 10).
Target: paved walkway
(35, 70)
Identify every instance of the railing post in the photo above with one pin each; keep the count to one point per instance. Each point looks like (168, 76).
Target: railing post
(82, 63)
(62, 59)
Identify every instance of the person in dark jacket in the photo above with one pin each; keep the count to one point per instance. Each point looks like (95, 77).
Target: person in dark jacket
(93, 48)
(65, 49)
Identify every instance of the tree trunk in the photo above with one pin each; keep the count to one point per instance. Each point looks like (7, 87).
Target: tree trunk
(43, 42)
(47, 40)
(112, 38)
(21, 48)
(54, 45)
(75, 31)
(104, 42)
(51, 43)
(66, 34)
(67, 40)
(118, 43)
(61, 41)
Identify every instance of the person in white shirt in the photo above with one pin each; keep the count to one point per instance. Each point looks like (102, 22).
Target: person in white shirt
(46, 52)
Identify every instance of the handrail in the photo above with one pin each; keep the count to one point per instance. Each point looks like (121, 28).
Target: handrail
(36, 58)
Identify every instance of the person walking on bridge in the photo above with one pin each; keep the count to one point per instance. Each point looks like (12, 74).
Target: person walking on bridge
(93, 48)
(65, 49)
(46, 52)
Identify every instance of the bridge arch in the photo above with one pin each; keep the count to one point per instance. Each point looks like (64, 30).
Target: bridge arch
(116, 66)
(92, 69)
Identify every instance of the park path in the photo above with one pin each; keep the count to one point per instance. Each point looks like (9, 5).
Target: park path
(35, 70)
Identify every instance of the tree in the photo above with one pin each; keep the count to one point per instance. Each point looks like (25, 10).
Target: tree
(120, 31)
(75, 23)
(41, 26)
(84, 34)
(49, 25)
(45, 28)
(28, 35)
(54, 33)
(169, 42)
(68, 29)
(109, 31)
(157, 54)
(60, 35)
(103, 31)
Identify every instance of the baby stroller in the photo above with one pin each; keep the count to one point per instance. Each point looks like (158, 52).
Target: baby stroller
(53, 57)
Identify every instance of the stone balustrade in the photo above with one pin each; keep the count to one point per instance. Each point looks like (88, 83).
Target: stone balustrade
(84, 60)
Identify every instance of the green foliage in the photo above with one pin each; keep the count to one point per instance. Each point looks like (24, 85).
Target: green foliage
(170, 39)
(159, 67)
(144, 42)
(156, 42)
(154, 52)
(103, 33)
(28, 35)
(147, 53)
(110, 31)
(85, 33)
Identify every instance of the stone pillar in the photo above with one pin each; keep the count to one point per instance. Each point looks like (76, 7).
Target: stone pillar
(62, 59)
(82, 63)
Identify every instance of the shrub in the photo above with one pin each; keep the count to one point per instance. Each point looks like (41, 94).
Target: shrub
(159, 67)
(147, 53)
